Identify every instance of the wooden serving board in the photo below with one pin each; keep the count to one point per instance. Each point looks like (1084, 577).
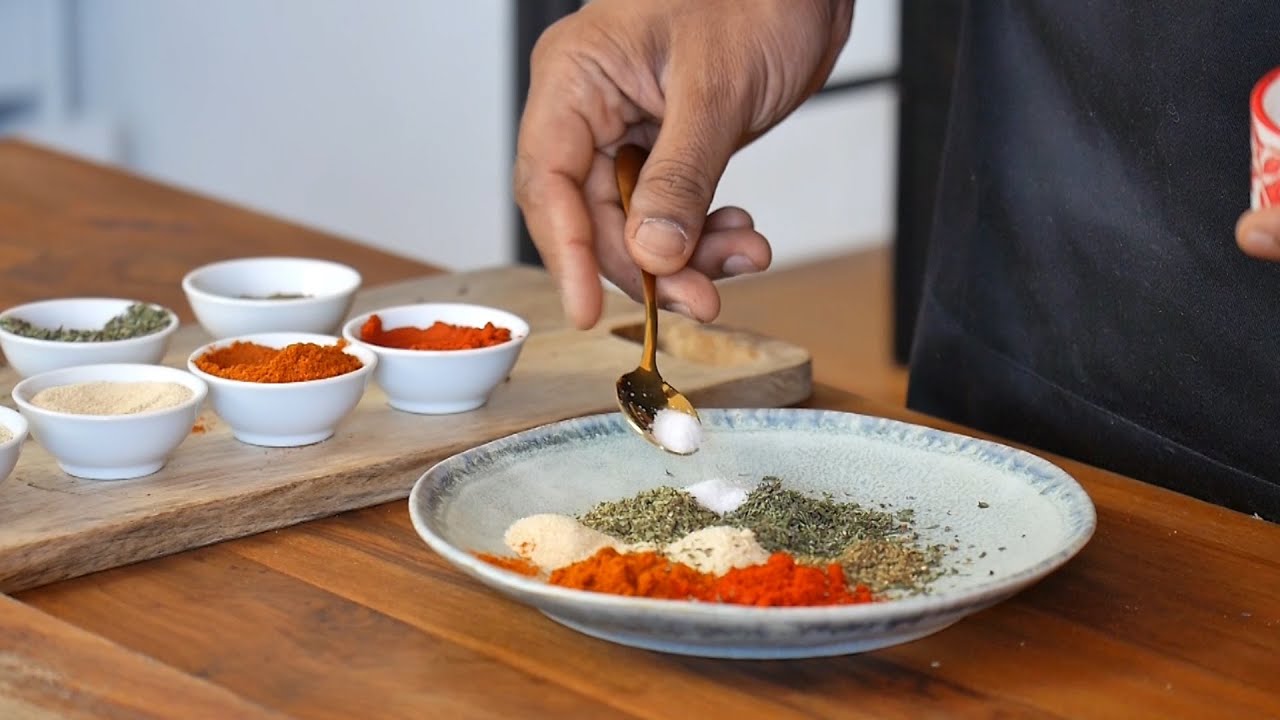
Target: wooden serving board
(54, 526)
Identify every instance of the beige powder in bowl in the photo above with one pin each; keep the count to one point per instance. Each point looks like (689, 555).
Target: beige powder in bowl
(111, 398)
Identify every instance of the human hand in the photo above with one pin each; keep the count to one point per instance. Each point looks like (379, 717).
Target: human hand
(693, 81)
(1258, 233)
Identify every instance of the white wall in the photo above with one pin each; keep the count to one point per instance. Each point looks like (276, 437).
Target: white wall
(391, 121)
(385, 121)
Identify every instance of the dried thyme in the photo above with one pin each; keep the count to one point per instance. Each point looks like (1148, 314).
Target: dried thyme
(661, 515)
(890, 565)
(137, 320)
(790, 521)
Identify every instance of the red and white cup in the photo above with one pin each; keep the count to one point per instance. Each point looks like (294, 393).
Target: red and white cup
(1264, 108)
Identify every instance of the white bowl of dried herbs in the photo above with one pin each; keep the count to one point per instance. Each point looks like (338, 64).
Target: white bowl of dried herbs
(67, 332)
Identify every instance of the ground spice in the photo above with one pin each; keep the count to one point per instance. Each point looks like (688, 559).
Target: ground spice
(779, 582)
(783, 582)
(439, 336)
(642, 574)
(514, 564)
(111, 398)
(137, 320)
(5, 435)
(298, 362)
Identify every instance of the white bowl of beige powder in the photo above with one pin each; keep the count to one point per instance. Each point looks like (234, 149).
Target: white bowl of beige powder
(13, 430)
(111, 422)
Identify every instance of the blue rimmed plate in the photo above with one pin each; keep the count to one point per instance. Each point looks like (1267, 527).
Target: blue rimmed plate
(1011, 516)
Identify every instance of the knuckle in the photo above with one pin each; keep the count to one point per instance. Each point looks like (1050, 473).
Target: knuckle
(678, 181)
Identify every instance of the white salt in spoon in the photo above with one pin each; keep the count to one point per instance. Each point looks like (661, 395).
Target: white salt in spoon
(659, 412)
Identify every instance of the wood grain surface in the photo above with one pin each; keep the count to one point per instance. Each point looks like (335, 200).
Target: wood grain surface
(1171, 611)
(215, 488)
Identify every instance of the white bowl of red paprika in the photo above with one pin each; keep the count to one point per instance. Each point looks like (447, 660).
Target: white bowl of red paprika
(283, 389)
(439, 358)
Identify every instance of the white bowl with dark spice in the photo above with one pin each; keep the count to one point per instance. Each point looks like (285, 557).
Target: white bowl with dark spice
(1001, 517)
(13, 431)
(113, 421)
(66, 332)
(441, 381)
(271, 294)
(275, 410)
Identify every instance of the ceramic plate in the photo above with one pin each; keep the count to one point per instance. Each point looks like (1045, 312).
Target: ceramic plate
(1033, 517)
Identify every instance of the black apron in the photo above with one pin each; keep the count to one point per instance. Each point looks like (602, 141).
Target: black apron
(1084, 293)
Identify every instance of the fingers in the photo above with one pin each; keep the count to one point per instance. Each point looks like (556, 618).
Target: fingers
(730, 246)
(1258, 233)
(554, 155)
(699, 133)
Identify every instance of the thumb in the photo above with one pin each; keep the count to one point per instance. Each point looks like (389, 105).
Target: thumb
(678, 182)
(1258, 233)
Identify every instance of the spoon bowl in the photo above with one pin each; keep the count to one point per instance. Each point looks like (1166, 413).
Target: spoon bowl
(642, 393)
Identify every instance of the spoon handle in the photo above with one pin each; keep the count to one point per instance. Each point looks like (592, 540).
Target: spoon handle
(627, 164)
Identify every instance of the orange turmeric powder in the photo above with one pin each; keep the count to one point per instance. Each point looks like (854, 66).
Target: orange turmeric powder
(298, 362)
(439, 336)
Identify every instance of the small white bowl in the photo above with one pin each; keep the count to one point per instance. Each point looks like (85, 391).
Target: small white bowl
(110, 447)
(10, 449)
(30, 356)
(440, 382)
(217, 293)
(285, 414)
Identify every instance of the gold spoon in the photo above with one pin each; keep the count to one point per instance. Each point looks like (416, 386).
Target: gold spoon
(642, 393)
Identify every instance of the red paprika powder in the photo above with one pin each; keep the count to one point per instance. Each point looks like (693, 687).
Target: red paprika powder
(439, 336)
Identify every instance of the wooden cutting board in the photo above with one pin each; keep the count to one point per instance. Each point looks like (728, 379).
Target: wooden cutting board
(214, 488)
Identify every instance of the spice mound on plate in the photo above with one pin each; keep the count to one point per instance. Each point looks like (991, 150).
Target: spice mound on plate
(111, 397)
(5, 435)
(137, 320)
(770, 545)
(299, 362)
(439, 336)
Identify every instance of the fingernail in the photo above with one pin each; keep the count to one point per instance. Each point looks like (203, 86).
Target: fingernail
(1259, 241)
(661, 237)
(738, 265)
(680, 309)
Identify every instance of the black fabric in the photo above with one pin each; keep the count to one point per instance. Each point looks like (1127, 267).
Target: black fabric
(1085, 293)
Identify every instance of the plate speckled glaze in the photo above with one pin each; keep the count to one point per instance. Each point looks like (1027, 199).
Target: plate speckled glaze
(1034, 517)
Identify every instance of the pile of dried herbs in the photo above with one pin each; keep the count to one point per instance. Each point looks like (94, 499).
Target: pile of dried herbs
(877, 548)
(137, 320)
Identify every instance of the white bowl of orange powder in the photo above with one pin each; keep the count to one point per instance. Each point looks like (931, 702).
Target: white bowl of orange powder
(439, 358)
(283, 389)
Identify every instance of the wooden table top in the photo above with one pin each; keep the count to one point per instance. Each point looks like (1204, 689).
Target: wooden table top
(1173, 609)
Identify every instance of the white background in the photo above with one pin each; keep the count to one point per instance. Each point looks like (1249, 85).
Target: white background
(391, 122)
